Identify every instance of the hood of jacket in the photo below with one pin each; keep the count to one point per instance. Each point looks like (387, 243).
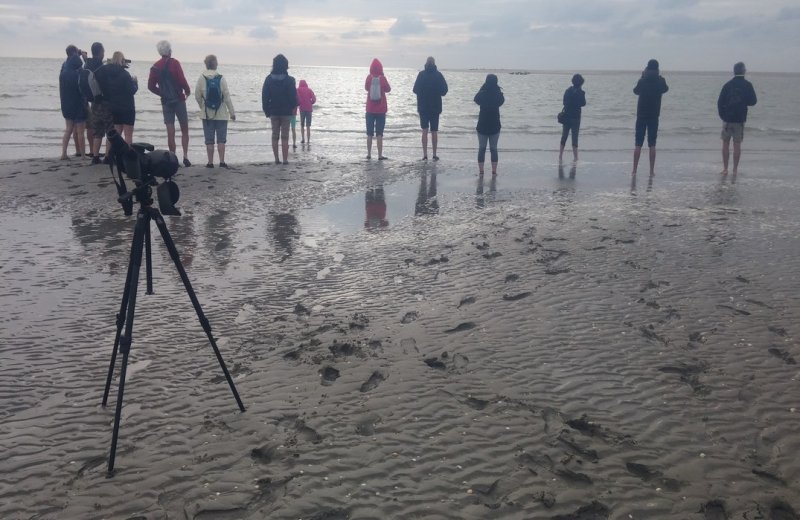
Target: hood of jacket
(376, 68)
(430, 67)
(74, 62)
(278, 77)
(302, 84)
(650, 74)
(208, 73)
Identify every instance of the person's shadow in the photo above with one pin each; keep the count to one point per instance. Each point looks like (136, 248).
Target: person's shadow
(220, 237)
(427, 201)
(375, 206)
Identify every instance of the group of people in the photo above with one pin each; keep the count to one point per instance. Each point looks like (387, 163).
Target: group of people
(735, 97)
(108, 101)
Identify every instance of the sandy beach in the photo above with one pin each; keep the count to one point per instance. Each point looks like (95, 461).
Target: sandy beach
(533, 346)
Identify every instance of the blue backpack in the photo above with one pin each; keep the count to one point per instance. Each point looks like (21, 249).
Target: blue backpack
(213, 97)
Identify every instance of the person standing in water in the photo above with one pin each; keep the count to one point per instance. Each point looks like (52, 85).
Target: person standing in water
(574, 99)
(376, 86)
(490, 98)
(734, 98)
(650, 87)
(430, 87)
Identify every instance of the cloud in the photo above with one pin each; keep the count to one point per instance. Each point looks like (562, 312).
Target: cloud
(123, 24)
(361, 35)
(406, 25)
(263, 32)
(688, 26)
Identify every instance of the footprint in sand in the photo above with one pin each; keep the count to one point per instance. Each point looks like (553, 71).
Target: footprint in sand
(373, 381)
(782, 355)
(469, 300)
(329, 375)
(461, 327)
(515, 297)
(714, 510)
(780, 510)
(594, 511)
(409, 317)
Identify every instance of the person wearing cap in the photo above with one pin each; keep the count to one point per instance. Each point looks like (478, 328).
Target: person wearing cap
(734, 98)
(171, 107)
(100, 120)
(650, 87)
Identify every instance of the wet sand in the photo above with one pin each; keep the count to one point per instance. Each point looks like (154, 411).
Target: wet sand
(528, 347)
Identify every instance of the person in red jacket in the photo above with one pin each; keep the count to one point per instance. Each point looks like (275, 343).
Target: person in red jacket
(306, 100)
(168, 82)
(376, 86)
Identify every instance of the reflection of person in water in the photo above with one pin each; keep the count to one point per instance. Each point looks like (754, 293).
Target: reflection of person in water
(480, 198)
(427, 202)
(220, 237)
(375, 202)
(572, 171)
(285, 229)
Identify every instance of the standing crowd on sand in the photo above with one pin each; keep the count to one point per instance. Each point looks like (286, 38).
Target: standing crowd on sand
(97, 96)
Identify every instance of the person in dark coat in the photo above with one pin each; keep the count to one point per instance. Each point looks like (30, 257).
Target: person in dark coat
(574, 99)
(734, 98)
(73, 106)
(490, 98)
(650, 87)
(278, 101)
(118, 88)
(430, 87)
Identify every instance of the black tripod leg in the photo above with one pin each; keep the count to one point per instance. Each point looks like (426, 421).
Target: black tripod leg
(148, 260)
(120, 323)
(173, 253)
(142, 222)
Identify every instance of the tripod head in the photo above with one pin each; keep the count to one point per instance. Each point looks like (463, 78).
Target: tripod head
(143, 164)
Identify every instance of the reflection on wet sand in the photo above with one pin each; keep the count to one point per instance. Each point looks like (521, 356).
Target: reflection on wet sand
(480, 197)
(285, 231)
(219, 237)
(427, 201)
(572, 171)
(375, 202)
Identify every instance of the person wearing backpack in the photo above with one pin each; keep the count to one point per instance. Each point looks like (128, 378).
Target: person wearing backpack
(100, 120)
(168, 82)
(278, 101)
(305, 100)
(734, 98)
(376, 86)
(216, 108)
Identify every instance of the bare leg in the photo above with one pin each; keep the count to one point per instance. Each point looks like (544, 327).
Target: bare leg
(369, 147)
(70, 127)
(210, 153)
(127, 131)
(380, 146)
(185, 139)
(95, 145)
(575, 153)
(434, 142)
(425, 143)
(494, 168)
(221, 150)
(294, 137)
(480, 168)
(737, 153)
(726, 152)
(75, 140)
(285, 148)
(308, 134)
(652, 160)
(275, 149)
(561, 154)
(81, 133)
(637, 152)
(171, 137)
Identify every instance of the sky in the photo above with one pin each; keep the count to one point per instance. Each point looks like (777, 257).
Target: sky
(461, 34)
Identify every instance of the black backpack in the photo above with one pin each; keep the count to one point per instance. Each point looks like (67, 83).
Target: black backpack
(166, 85)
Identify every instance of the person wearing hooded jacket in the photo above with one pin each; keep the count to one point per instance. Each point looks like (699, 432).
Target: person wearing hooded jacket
(734, 98)
(73, 106)
(650, 87)
(306, 100)
(430, 87)
(490, 98)
(215, 121)
(376, 109)
(278, 101)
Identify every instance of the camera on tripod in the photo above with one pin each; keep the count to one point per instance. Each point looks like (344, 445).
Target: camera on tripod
(142, 164)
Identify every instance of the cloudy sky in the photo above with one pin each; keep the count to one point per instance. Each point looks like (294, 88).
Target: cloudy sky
(510, 34)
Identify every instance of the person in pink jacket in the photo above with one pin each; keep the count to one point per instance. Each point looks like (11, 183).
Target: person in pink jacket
(376, 86)
(306, 100)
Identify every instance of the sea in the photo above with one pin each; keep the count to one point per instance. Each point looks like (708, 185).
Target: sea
(31, 125)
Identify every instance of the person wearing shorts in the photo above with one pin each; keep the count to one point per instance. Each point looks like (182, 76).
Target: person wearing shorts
(172, 108)
(650, 87)
(430, 86)
(376, 108)
(73, 106)
(279, 101)
(118, 88)
(215, 121)
(734, 98)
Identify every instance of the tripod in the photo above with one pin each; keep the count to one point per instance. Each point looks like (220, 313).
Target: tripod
(122, 342)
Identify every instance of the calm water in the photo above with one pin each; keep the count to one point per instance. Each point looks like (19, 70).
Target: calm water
(31, 122)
